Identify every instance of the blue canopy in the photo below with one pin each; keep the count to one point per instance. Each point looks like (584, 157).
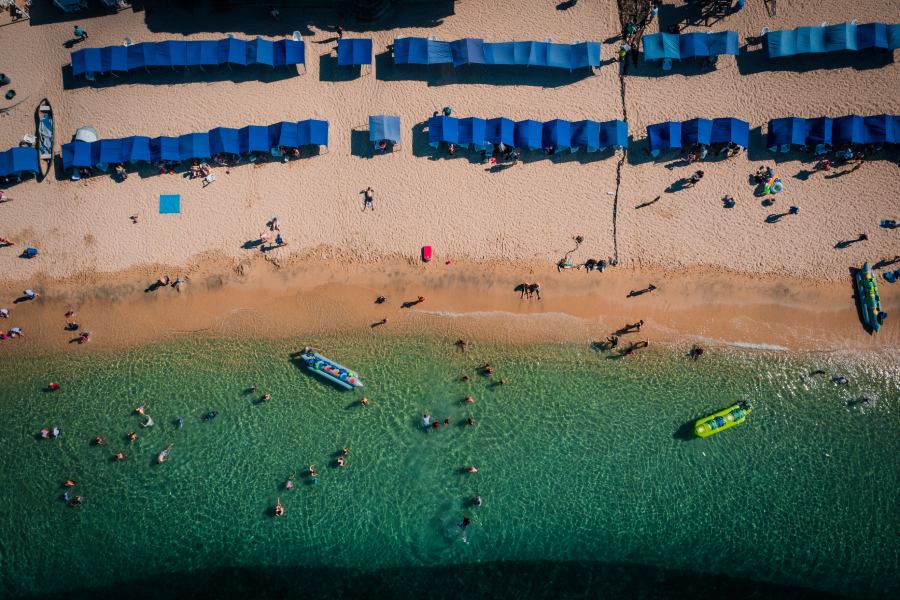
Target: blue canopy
(664, 136)
(529, 134)
(729, 130)
(224, 140)
(557, 134)
(284, 134)
(501, 130)
(467, 51)
(383, 127)
(789, 131)
(253, 138)
(849, 130)
(613, 134)
(443, 129)
(586, 135)
(660, 46)
(18, 161)
(421, 51)
(424, 51)
(317, 131)
(880, 129)
(135, 148)
(354, 52)
(165, 148)
(830, 38)
(110, 152)
(194, 145)
(696, 131)
(178, 53)
(820, 131)
(473, 132)
(80, 154)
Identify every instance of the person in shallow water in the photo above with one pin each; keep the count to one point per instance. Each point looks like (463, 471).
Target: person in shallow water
(476, 501)
(426, 420)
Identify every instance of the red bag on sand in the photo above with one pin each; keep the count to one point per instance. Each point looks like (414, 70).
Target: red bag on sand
(426, 253)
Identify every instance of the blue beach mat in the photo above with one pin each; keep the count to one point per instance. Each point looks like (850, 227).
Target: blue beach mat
(169, 204)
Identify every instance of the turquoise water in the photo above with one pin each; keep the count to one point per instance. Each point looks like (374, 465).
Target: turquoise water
(589, 486)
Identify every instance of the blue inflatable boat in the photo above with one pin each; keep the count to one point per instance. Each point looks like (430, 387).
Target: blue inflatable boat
(330, 370)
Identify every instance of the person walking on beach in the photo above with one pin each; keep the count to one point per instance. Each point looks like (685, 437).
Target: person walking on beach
(339, 31)
(80, 34)
(368, 198)
(4, 313)
(646, 290)
(694, 179)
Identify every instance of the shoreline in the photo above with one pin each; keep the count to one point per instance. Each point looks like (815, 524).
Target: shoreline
(274, 299)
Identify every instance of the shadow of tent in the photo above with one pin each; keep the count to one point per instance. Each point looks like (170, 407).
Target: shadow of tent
(45, 13)
(360, 144)
(757, 61)
(252, 19)
(329, 70)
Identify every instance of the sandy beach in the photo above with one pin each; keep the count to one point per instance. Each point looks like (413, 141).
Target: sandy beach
(496, 226)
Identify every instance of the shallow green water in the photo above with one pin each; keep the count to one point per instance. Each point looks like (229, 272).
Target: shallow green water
(581, 464)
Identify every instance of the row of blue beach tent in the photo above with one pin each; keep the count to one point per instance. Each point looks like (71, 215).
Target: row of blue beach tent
(532, 135)
(675, 134)
(832, 38)
(17, 162)
(178, 53)
(427, 51)
(851, 129)
(221, 140)
(672, 46)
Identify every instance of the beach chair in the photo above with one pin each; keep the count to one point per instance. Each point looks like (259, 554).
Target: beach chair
(29, 140)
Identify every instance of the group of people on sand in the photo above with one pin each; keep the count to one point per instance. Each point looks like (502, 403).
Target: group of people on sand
(166, 281)
(271, 232)
(529, 290)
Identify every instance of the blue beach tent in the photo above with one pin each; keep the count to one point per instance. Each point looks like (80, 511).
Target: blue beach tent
(879, 129)
(80, 154)
(586, 135)
(473, 132)
(135, 149)
(87, 60)
(663, 136)
(421, 51)
(820, 131)
(501, 53)
(194, 145)
(849, 130)
(233, 51)
(18, 161)
(467, 51)
(443, 129)
(729, 130)
(829, 38)
(696, 131)
(284, 134)
(613, 134)
(661, 46)
(352, 52)
(262, 52)
(318, 132)
(585, 54)
(501, 130)
(110, 152)
(871, 35)
(557, 134)
(224, 140)
(786, 132)
(165, 148)
(529, 134)
(253, 138)
(384, 127)
(290, 52)
(203, 53)
(114, 59)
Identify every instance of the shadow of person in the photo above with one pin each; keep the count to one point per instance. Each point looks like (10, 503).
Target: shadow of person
(566, 4)
(251, 244)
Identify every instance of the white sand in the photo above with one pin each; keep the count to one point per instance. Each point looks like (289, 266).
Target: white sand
(529, 211)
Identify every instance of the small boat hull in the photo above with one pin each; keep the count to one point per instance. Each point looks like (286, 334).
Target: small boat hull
(724, 419)
(45, 130)
(331, 371)
(869, 300)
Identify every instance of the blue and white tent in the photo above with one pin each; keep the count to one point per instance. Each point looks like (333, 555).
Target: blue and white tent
(384, 127)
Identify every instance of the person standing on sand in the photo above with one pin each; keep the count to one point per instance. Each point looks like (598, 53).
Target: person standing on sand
(368, 198)
(339, 31)
(694, 179)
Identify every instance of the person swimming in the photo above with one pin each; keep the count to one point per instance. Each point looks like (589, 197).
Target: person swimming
(132, 436)
(149, 422)
(179, 422)
(54, 433)
(312, 471)
(76, 501)
(465, 523)
(426, 420)
(119, 456)
(469, 399)
(341, 462)
(99, 441)
(289, 484)
(840, 380)
(69, 483)
(279, 509)
(210, 415)
(140, 409)
(476, 501)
